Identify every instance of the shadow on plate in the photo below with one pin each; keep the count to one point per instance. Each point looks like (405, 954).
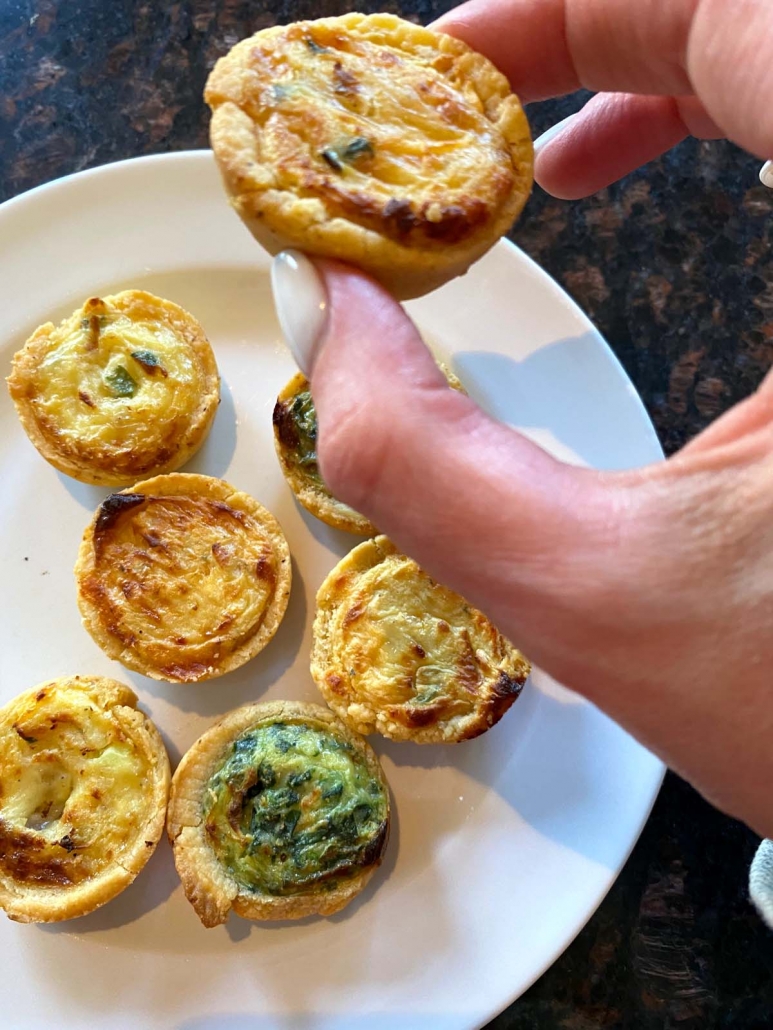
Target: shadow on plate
(521, 393)
(214, 456)
(337, 541)
(88, 496)
(550, 758)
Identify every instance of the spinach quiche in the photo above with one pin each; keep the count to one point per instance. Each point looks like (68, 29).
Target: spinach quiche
(372, 140)
(183, 578)
(85, 779)
(396, 653)
(277, 812)
(126, 387)
(295, 440)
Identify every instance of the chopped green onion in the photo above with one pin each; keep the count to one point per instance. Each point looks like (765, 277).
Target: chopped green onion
(332, 158)
(149, 361)
(348, 153)
(359, 147)
(120, 382)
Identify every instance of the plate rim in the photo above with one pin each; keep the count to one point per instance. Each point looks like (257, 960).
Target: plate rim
(202, 156)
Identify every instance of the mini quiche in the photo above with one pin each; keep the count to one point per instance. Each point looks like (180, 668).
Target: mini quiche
(277, 812)
(396, 653)
(127, 386)
(295, 439)
(85, 779)
(182, 578)
(372, 140)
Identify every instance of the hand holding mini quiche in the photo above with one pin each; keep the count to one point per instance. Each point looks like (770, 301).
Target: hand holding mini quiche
(403, 152)
(372, 140)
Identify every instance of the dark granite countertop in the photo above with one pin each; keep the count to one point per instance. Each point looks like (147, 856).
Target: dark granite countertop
(674, 266)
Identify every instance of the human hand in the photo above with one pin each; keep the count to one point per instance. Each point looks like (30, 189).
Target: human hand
(650, 592)
(662, 69)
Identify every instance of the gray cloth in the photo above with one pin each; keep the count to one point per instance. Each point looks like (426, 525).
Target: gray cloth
(761, 881)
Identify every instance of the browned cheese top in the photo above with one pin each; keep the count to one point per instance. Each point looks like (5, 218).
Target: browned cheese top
(181, 580)
(397, 651)
(74, 786)
(392, 133)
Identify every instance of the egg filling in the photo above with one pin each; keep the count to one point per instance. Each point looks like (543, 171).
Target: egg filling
(294, 808)
(73, 788)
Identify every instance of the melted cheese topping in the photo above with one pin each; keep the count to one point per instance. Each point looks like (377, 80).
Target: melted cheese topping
(73, 787)
(295, 808)
(117, 384)
(181, 581)
(401, 649)
(389, 133)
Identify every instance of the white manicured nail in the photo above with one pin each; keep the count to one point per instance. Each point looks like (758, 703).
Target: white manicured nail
(551, 134)
(766, 174)
(301, 305)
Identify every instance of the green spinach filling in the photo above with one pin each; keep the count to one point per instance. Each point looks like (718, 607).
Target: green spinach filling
(301, 433)
(293, 808)
(122, 383)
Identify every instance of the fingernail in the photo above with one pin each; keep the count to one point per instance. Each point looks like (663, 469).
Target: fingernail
(551, 134)
(766, 174)
(301, 305)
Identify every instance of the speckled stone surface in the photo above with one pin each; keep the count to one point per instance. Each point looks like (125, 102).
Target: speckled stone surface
(674, 266)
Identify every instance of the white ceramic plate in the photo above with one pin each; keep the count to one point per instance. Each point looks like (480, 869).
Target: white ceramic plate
(503, 846)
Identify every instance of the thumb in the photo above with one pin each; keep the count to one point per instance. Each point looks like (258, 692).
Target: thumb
(481, 508)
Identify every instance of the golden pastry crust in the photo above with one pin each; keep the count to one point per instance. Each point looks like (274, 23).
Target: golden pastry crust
(370, 139)
(398, 654)
(126, 387)
(183, 578)
(85, 781)
(296, 451)
(212, 887)
(295, 435)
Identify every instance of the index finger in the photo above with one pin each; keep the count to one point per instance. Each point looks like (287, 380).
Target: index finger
(550, 47)
(719, 50)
